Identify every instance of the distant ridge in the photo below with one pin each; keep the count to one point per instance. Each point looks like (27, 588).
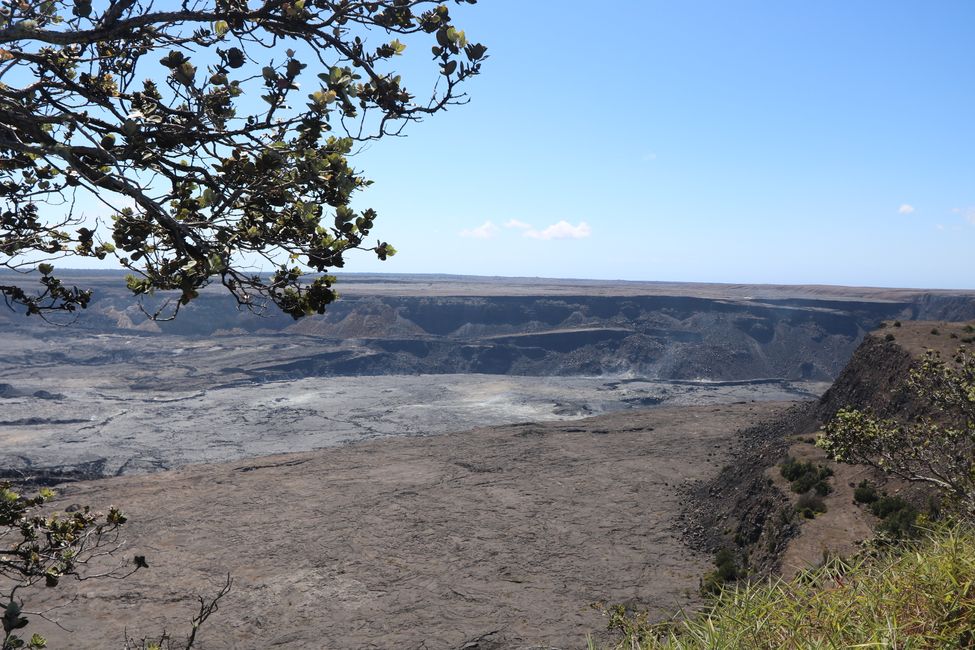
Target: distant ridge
(442, 284)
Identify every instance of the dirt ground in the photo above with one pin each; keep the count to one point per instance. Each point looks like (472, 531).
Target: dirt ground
(917, 337)
(838, 531)
(493, 538)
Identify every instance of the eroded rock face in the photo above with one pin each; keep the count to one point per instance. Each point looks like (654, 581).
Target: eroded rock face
(564, 330)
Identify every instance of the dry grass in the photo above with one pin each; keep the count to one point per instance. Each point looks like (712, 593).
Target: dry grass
(920, 596)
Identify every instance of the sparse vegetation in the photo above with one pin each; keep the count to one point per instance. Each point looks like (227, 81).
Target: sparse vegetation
(918, 596)
(889, 337)
(899, 517)
(42, 548)
(805, 477)
(897, 323)
(809, 505)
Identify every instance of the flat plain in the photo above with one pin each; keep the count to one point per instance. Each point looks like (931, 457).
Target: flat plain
(502, 537)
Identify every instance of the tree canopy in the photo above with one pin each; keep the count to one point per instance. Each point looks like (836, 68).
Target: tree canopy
(214, 137)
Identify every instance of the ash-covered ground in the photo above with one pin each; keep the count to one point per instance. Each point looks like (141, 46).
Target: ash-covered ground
(120, 404)
(113, 393)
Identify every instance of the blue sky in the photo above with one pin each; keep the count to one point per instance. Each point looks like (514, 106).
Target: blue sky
(772, 142)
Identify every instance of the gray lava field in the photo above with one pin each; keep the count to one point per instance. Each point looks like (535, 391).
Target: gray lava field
(113, 393)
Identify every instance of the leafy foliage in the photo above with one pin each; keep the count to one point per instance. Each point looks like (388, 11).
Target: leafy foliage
(215, 134)
(41, 549)
(937, 448)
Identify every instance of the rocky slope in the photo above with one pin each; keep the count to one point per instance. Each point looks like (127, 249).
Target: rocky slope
(744, 492)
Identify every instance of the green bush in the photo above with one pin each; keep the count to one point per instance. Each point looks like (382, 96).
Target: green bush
(898, 517)
(809, 505)
(865, 492)
(804, 477)
(727, 570)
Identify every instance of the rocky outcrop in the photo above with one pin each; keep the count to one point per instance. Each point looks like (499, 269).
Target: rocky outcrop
(873, 379)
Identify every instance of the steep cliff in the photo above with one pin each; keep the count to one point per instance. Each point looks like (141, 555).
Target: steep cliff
(742, 507)
(419, 324)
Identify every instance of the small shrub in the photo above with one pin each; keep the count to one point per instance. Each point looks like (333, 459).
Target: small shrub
(935, 331)
(969, 329)
(898, 517)
(889, 337)
(953, 335)
(865, 492)
(897, 323)
(792, 469)
(804, 477)
(727, 570)
(809, 505)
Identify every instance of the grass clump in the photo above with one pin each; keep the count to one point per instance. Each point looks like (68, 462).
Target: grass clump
(921, 595)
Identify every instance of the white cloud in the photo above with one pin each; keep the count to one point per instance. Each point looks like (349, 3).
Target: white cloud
(968, 214)
(906, 209)
(561, 230)
(520, 225)
(486, 230)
